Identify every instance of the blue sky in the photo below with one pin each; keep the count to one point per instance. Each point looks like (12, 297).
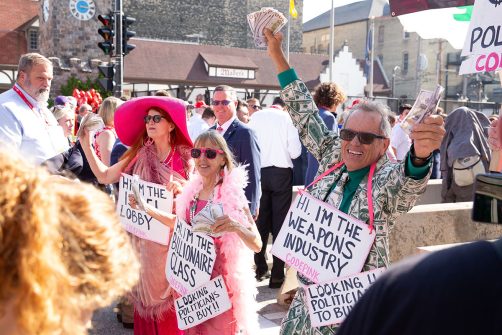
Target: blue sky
(313, 8)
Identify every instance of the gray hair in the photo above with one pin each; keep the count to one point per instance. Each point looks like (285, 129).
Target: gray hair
(60, 111)
(373, 107)
(27, 61)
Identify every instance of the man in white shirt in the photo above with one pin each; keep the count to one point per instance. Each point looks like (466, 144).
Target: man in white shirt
(399, 140)
(196, 125)
(25, 122)
(280, 144)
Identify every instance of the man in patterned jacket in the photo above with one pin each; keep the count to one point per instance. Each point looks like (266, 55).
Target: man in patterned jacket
(362, 142)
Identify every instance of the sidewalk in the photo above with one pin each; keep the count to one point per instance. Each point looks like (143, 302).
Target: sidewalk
(270, 314)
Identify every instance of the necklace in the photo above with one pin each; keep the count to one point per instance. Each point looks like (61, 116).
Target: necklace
(195, 201)
(169, 157)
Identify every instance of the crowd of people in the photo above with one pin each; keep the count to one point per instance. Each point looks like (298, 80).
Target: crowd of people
(64, 252)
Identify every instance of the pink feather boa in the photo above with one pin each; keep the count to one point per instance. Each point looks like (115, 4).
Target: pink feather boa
(239, 266)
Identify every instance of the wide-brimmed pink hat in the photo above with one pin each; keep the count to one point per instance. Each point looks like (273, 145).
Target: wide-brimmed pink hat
(129, 118)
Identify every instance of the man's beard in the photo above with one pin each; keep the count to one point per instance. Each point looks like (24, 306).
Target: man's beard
(41, 95)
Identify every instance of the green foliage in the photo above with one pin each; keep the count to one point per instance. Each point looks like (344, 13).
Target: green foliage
(73, 82)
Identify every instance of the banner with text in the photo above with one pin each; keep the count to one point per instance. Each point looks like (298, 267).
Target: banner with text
(483, 43)
(204, 303)
(190, 259)
(330, 303)
(321, 242)
(137, 222)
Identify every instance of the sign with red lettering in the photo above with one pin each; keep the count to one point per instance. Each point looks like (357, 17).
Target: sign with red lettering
(136, 221)
(483, 43)
(321, 242)
(330, 303)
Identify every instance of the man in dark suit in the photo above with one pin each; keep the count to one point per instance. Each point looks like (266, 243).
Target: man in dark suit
(241, 140)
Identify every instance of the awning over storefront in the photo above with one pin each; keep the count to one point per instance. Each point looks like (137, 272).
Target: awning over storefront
(162, 62)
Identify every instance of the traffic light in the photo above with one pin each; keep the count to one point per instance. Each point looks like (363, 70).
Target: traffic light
(107, 31)
(108, 72)
(127, 34)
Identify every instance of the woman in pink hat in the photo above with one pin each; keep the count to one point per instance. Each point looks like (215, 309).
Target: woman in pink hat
(156, 131)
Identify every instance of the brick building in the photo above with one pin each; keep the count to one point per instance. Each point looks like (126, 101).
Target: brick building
(18, 35)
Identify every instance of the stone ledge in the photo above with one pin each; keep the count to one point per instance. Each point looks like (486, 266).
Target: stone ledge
(428, 225)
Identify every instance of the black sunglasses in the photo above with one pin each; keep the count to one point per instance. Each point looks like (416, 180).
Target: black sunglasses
(223, 102)
(364, 138)
(210, 153)
(155, 118)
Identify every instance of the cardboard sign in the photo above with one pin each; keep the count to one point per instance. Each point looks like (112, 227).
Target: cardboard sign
(190, 259)
(330, 303)
(204, 303)
(483, 43)
(321, 242)
(137, 222)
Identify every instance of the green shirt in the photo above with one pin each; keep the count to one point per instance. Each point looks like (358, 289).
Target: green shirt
(355, 177)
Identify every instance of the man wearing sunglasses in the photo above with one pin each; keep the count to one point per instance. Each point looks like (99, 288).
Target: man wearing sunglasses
(253, 106)
(240, 138)
(348, 162)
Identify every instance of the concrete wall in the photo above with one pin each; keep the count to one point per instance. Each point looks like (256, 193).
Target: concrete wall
(221, 22)
(432, 193)
(434, 224)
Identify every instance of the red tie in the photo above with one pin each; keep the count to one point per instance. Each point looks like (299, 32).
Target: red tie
(219, 129)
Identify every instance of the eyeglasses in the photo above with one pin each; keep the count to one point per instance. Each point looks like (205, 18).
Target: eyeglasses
(210, 153)
(364, 138)
(155, 118)
(223, 102)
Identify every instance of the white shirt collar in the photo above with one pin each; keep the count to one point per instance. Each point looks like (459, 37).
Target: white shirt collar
(226, 125)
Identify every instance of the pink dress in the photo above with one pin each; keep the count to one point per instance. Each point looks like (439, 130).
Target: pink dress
(234, 261)
(225, 323)
(153, 298)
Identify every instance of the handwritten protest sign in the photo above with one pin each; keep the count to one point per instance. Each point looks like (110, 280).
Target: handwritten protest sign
(190, 259)
(321, 242)
(204, 303)
(137, 222)
(330, 303)
(483, 43)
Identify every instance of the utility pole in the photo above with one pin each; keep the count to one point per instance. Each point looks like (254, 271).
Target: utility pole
(372, 56)
(332, 40)
(119, 57)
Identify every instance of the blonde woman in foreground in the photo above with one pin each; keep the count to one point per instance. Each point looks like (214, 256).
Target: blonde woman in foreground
(63, 252)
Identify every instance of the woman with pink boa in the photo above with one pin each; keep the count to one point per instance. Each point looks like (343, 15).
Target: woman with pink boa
(220, 183)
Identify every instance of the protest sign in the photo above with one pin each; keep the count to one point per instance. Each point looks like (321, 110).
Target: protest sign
(321, 242)
(483, 43)
(190, 259)
(137, 222)
(330, 303)
(204, 303)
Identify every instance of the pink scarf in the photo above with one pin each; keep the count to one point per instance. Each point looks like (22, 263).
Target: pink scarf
(239, 265)
(153, 296)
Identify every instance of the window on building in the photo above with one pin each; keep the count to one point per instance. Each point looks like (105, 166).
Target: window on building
(405, 62)
(380, 57)
(33, 39)
(406, 35)
(381, 32)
